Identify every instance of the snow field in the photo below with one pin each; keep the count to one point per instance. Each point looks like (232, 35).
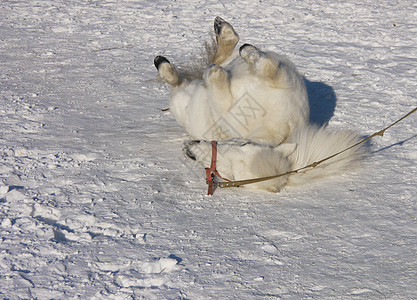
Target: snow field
(97, 200)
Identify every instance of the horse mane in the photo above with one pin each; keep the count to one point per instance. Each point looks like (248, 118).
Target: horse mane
(195, 69)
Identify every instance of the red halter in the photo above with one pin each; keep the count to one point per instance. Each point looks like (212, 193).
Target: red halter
(211, 172)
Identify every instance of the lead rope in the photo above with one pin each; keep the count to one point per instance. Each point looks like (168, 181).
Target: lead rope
(211, 172)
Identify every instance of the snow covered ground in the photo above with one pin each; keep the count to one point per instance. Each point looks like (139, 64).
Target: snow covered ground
(97, 200)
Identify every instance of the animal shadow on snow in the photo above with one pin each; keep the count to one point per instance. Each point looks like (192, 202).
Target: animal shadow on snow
(322, 100)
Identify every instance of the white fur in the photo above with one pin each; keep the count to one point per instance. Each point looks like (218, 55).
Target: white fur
(239, 160)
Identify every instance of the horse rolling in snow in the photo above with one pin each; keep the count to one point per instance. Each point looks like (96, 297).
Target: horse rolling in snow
(255, 104)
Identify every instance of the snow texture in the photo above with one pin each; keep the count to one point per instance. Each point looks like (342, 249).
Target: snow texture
(98, 202)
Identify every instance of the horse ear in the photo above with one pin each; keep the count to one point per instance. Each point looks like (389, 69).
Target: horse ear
(286, 149)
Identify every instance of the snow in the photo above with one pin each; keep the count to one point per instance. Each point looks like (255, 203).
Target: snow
(97, 200)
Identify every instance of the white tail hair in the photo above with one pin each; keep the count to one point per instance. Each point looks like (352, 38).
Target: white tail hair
(317, 143)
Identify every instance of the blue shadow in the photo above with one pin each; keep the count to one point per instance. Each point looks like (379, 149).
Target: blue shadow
(322, 100)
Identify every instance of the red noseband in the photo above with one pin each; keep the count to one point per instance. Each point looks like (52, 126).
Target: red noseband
(211, 172)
